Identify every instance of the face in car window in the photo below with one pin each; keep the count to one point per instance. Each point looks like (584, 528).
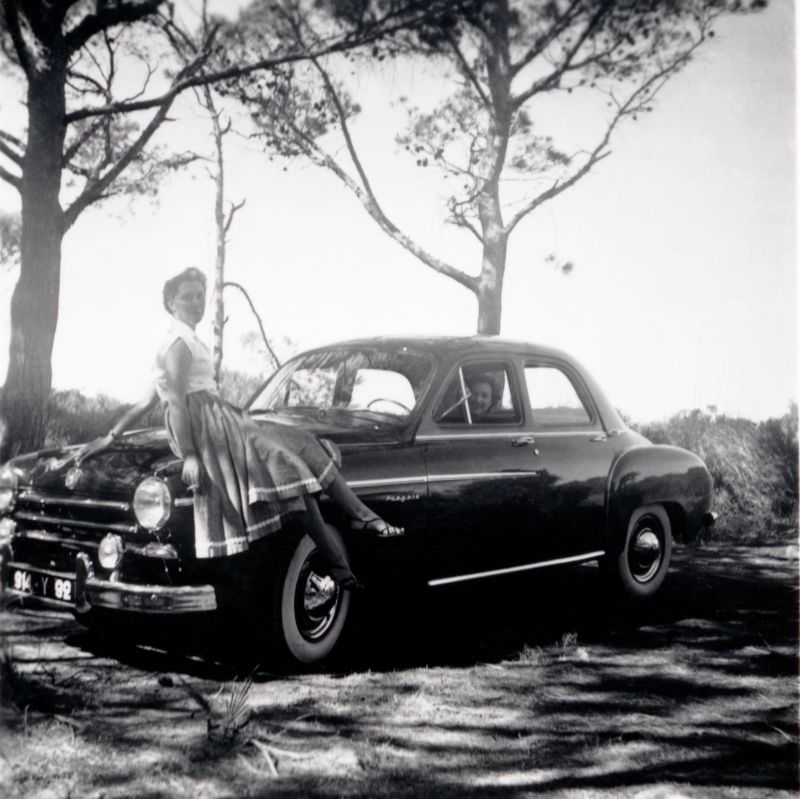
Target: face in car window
(480, 393)
(482, 396)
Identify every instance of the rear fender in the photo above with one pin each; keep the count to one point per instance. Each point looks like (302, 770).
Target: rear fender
(658, 475)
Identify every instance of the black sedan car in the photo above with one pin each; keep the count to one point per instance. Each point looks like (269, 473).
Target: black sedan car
(497, 457)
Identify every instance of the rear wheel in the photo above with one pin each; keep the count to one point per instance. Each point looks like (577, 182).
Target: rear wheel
(640, 568)
(312, 610)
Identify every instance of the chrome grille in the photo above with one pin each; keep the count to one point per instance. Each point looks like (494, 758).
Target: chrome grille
(71, 517)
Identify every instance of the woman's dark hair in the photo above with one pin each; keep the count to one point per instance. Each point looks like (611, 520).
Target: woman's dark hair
(173, 284)
(484, 377)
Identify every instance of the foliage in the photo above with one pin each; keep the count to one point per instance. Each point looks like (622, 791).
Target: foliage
(505, 62)
(238, 387)
(76, 418)
(10, 230)
(754, 466)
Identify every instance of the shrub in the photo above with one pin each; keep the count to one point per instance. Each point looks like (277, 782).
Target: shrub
(238, 387)
(753, 466)
(75, 417)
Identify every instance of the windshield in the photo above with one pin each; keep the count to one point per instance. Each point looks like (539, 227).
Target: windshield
(383, 383)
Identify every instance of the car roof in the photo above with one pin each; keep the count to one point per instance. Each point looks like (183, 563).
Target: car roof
(459, 346)
(452, 345)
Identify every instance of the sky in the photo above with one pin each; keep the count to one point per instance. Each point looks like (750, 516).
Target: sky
(684, 288)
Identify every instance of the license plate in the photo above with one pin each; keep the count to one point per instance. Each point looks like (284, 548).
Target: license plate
(46, 586)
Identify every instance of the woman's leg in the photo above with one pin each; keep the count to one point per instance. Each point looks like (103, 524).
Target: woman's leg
(367, 519)
(329, 546)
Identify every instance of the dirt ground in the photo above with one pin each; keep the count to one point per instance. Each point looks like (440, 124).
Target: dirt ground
(543, 687)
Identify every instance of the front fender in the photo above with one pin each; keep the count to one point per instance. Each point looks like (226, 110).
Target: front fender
(659, 475)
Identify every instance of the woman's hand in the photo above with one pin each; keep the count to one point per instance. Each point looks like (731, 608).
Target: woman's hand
(101, 442)
(192, 472)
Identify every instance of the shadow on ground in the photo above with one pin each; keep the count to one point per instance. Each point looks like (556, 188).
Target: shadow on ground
(545, 686)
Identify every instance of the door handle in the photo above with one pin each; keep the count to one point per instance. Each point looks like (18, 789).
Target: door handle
(525, 441)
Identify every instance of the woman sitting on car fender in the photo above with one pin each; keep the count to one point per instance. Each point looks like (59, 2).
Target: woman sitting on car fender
(247, 477)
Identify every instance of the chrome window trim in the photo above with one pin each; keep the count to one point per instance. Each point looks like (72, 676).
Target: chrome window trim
(512, 569)
(31, 496)
(42, 518)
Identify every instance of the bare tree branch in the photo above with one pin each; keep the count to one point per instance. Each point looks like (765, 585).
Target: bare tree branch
(541, 44)
(13, 180)
(97, 188)
(10, 153)
(635, 102)
(340, 44)
(11, 11)
(106, 17)
(552, 80)
(231, 213)
(321, 158)
(468, 71)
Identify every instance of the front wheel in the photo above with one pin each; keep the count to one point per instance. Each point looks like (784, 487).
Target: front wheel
(312, 609)
(640, 568)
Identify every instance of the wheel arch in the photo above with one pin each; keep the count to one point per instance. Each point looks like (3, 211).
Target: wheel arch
(670, 477)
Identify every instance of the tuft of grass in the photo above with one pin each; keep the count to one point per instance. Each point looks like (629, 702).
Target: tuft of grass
(235, 713)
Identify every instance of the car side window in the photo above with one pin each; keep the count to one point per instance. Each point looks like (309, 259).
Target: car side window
(480, 393)
(554, 402)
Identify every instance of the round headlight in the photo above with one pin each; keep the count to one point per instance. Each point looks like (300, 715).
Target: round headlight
(8, 488)
(109, 553)
(152, 502)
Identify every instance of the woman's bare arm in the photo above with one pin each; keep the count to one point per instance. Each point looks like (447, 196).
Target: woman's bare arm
(133, 413)
(177, 362)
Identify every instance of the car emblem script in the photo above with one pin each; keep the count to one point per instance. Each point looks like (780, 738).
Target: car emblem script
(73, 475)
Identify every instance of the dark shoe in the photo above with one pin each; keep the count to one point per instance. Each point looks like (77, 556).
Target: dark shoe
(377, 526)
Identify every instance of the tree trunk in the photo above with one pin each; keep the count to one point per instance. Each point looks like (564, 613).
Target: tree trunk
(34, 304)
(219, 263)
(490, 287)
(490, 210)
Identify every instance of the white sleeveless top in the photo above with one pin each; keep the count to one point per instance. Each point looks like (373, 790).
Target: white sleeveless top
(201, 369)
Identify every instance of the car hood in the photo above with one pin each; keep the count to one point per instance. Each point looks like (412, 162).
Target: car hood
(343, 427)
(117, 470)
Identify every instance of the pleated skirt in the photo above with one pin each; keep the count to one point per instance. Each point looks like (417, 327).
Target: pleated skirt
(255, 475)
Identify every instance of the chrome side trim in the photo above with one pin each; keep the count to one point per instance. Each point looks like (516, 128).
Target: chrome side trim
(515, 434)
(183, 502)
(31, 496)
(468, 434)
(387, 481)
(527, 567)
(440, 478)
(41, 518)
(447, 478)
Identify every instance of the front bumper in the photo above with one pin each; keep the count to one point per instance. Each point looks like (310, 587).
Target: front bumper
(87, 591)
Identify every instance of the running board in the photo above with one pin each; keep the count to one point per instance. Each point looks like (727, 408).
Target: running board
(460, 578)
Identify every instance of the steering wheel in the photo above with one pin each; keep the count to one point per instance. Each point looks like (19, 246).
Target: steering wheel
(399, 404)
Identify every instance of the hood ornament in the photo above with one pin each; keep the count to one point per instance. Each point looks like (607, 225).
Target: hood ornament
(72, 478)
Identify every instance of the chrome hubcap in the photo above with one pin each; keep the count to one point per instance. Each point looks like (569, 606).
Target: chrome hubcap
(645, 554)
(316, 603)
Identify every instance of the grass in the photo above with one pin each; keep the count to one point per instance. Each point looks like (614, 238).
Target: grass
(568, 697)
